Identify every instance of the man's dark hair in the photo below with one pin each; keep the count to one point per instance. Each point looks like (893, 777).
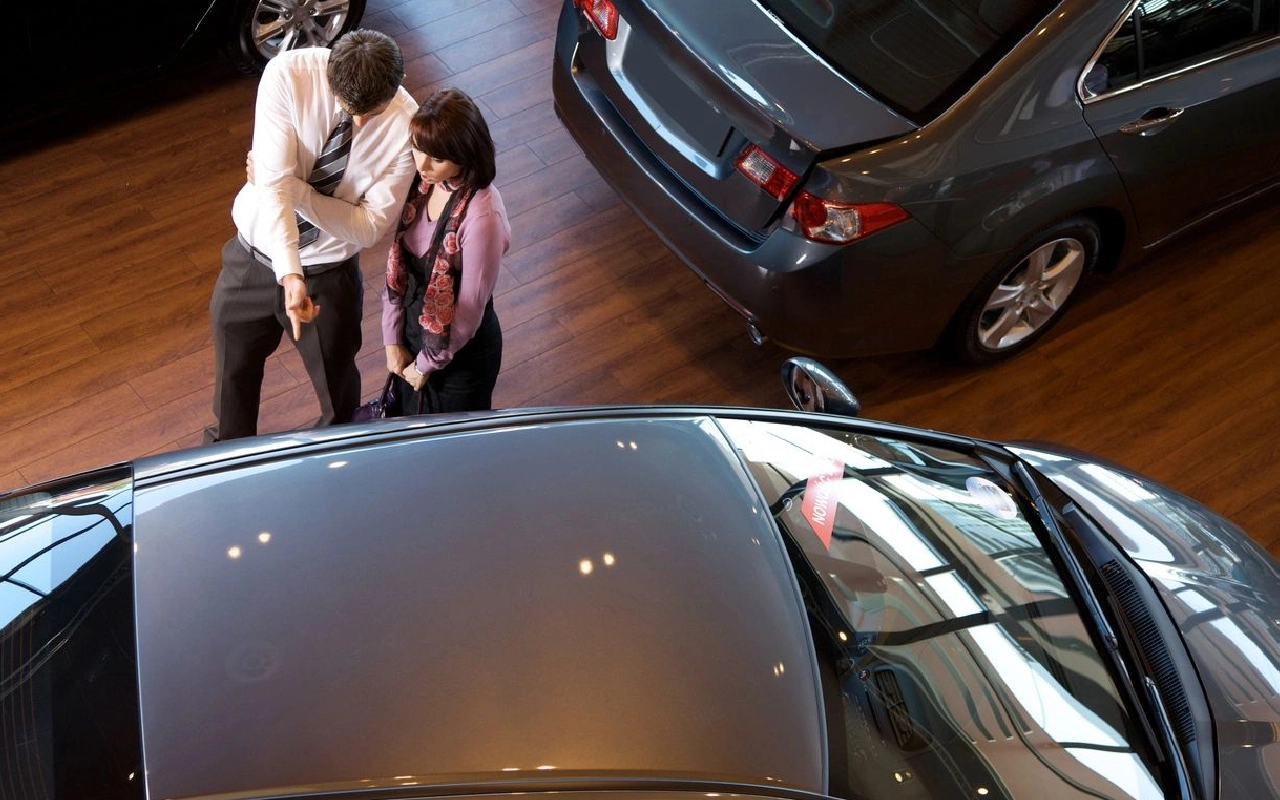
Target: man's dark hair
(448, 125)
(365, 70)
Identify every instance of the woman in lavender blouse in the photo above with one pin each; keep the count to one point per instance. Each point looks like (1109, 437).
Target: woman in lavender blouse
(438, 325)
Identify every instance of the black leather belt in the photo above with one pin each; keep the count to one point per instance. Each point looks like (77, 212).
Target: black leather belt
(265, 260)
(258, 255)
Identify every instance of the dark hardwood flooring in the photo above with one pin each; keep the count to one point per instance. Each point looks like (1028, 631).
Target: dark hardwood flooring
(110, 237)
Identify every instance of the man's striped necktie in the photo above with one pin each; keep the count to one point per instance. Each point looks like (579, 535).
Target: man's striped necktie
(327, 173)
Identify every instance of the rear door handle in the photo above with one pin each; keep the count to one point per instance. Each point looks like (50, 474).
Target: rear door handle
(1152, 120)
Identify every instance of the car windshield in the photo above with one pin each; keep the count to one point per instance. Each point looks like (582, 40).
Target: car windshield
(954, 658)
(918, 56)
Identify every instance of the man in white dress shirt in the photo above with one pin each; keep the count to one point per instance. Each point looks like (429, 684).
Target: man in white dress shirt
(269, 283)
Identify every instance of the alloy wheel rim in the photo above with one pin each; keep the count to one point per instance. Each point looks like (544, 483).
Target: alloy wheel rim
(280, 25)
(1030, 296)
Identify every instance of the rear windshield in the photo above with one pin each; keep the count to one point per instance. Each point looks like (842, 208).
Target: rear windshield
(917, 55)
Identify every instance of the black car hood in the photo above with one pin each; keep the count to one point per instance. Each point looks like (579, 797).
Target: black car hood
(1222, 590)
(500, 607)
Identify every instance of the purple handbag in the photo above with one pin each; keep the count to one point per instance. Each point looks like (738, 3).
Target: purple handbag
(377, 407)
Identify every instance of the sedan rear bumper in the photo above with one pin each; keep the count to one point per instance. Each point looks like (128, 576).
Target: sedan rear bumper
(887, 293)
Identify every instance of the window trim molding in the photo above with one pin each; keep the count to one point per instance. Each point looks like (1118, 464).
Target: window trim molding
(1087, 97)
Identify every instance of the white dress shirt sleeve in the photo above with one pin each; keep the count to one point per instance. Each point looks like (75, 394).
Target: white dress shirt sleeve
(369, 218)
(275, 148)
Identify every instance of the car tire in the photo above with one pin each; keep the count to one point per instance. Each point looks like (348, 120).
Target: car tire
(258, 29)
(1018, 302)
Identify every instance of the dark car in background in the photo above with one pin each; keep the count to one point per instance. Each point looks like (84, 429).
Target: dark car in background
(56, 57)
(659, 602)
(869, 177)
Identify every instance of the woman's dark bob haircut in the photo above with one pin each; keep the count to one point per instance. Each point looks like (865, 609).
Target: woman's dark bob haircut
(449, 126)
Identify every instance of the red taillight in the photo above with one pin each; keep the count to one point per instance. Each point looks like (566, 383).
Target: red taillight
(771, 176)
(820, 219)
(603, 15)
(825, 220)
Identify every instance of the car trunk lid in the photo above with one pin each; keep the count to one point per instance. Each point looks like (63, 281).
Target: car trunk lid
(697, 86)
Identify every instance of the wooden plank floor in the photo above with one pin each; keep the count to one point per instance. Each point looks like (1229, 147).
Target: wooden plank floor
(111, 235)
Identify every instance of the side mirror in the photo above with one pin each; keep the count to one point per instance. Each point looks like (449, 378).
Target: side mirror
(813, 387)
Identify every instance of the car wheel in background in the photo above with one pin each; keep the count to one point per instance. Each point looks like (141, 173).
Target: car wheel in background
(259, 29)
(1019, 301)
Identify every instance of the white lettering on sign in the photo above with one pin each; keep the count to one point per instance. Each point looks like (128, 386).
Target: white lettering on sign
(819, 500)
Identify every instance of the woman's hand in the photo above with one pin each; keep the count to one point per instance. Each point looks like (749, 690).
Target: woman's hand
(414, 378)
(398, 357)
(248, 166)
(400, 361)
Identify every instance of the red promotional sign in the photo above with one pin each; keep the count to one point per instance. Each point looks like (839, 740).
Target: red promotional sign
(819, 505)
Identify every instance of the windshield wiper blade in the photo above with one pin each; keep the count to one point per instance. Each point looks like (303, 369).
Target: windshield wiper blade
(1148, 702)
(1181, 770)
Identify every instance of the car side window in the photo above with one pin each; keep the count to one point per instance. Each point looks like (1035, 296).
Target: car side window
(1165, 35)
(69, 717)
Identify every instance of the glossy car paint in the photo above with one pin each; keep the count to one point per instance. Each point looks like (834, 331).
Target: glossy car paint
(585, 599)
(1179, 173)
(1017, 153)
(527, 608)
